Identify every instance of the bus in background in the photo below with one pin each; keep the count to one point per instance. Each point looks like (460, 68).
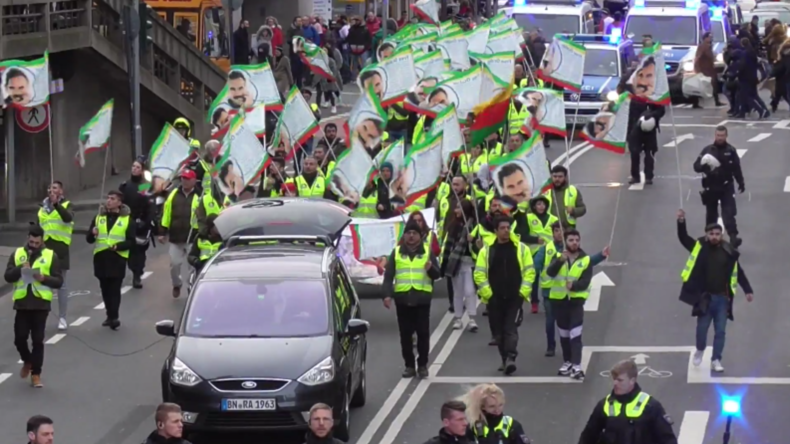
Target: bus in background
(554, 16)
(202, 22)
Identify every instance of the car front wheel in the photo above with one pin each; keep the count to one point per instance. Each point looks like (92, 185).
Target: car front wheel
(343, 425)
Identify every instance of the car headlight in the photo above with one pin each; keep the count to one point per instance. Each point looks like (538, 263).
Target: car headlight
(180, 374)
(612, 96)
(322, 373)
(720, 58)
(688, 66)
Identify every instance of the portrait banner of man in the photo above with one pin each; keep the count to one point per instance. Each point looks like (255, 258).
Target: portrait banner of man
(297, 121)
(390, 79)
(373, 241)
(455, 50)
(453, 143)
(465, 91)
(524, 173)
(352, 173)
(546, 108)
(427, 10)
(609, 128)
(649, 80)
(501, 65)
(394, 158)
(241, 158)
(429, 69)
(422, 172)
(422, 42)
(95, 134)
(167, 155)
(312, 55)
(367, 119)
(563, 64)
(25, 84)
(478, 38)
(503, 41)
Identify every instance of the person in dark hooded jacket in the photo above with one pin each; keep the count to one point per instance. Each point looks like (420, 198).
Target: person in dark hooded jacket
(455, 426)
(781, 72)
(137, 198)
(169, 426)
(750, 74)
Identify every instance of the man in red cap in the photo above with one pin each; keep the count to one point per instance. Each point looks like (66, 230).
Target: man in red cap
(179, 224)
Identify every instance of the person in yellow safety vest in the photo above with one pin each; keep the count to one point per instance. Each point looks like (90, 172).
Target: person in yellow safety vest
(484, 231)
(571, 274)
(569, 204)
(246, 194)
(628, 414)
(325, 164)
(473, 160)
(540, 222)
(179, 225)
(205, 163)
(485, 406)
(458, 191)
(504, 274)
(112, 232)
(184, 128)
(206, 245)
(517, 115)
(368, 202)
(717, 294)
(409, 273)
(309, 183)
(57, 220)
(418, 205)
(398, 120)
(208, 204)
(418, 135)
(271, 183)
(32, 301)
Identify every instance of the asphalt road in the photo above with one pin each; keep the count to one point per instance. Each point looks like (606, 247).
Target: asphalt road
(101, 386)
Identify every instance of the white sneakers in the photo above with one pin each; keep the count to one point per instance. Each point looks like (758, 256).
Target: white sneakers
(715, 365)
(470, 327)
(334, 110)
(62, 324)
(457, 324)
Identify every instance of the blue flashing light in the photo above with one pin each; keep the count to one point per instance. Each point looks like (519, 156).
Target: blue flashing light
(731, 406)
(692, 4)
(519, 2)
(639, 3)
(615, 36)
(716, 13)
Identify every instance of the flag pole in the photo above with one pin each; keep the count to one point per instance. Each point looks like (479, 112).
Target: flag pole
(48, 110)
(677, 153)
(104, 173)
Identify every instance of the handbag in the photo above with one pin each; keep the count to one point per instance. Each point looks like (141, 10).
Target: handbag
(697, 85)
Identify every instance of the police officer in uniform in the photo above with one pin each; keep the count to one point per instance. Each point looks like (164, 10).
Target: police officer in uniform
(408, 278)
(32, 299)
(721, 168)
(628, 415)
(113, 234)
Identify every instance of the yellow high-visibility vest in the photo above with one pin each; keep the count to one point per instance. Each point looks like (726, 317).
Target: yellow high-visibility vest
(560, 291)
(469, 166)
(54, 227)
(634, 409)
(410, 273)
(569, 199)
(305, 190)
(43, 264)
(692, 260)
(367, 206)
(167, 211)
(537, 228)
(525, 265)
(210, 204)
(551, 253)
(115, 235)
(208, 249)
(502, 428)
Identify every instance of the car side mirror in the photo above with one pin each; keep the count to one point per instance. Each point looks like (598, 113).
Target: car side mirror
(357, 327)
(167, 328)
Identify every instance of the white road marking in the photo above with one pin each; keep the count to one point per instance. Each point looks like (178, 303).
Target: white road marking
(578, 154)
(692, 429)
(4, 376)
(99, 307)
(146, 274)
(638, 186)
(599, 281)
(759, 137)
(561, 158)
(473, 380)
(741, 152)
(694, 125)
(400, 388)
(702, 374)
(782, 124)
(79, 321)
(125, 289)
(55, 339)
(720, 221)
(787, 184)
(20, 362)
(588, 351)
(680, 139)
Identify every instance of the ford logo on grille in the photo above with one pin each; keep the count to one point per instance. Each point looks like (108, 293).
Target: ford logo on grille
(249, 385)
(575, 97)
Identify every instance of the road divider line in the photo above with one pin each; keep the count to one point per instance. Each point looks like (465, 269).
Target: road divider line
(680, 139)
(146, 274)
(562, 157)
(4, 376)
(125, 289)
(99, 307)
(599, 281)
(80, 321)
(759, 137)
(55, 339)
(400, 387)
(741, 152)
(787, 184)
(692, 429)
(638, 186)
(782, 124)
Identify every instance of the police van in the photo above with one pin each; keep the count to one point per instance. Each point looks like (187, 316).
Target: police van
(608, 58)
(679, 25)
(554, 16)
(721, 30)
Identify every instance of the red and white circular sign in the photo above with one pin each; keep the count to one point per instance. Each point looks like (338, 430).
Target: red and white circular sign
(33, 120)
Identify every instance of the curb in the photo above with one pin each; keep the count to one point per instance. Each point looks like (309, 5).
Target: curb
(21, 227)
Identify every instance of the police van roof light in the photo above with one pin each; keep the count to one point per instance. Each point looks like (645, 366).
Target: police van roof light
(731, 406)
(519, 2)
(717, 13)
(639, 3)
(692, 4)
(615, 36)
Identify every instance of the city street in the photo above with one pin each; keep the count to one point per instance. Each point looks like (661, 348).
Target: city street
(101, 386)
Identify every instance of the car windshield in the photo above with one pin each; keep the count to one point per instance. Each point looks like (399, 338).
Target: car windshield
(549, 24)
(601, 62)
(717, 31)
(667, 30)
(271, 308)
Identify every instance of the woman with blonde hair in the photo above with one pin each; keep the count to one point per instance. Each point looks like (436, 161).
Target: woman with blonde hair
(485, 404)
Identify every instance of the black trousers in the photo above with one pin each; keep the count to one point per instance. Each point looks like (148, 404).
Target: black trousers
(137, 259)
(504, 317)
(711, 200)
(414, 319)
(31, 323)
(111, 295)
(646, 143)
(569, 314)
(450, 292)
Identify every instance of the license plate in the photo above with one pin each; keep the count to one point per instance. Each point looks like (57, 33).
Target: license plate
(249, 404)
(576, 119)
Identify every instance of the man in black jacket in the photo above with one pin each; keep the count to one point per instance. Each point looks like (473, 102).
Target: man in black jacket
(628, 415)
(137, 198)
(710, 278)
(169, 425)
(720, 166)
(320, 426)
(408, 278)
(643, 129)
(32, 300)
(455, 427)
(113, 232)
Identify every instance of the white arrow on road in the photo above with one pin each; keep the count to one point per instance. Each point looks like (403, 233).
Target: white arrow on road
(680, 139)
(640, 359)
(598, 281)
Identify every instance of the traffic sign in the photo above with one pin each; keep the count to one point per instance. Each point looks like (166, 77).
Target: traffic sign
(33, 120)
